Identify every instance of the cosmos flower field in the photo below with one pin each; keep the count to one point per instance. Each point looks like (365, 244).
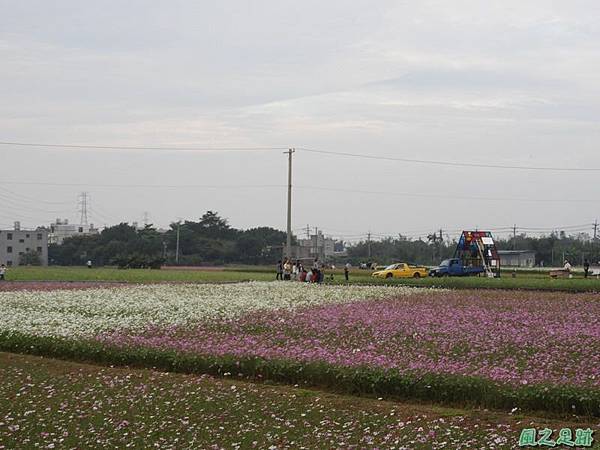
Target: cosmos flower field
(495, 348)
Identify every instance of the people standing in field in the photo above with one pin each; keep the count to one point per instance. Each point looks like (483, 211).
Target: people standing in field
(279, 269)
(567, 265)
(287, 270)
(2, 272)
(316, 272)
(347, 271)
(586, 268)
(295, 271)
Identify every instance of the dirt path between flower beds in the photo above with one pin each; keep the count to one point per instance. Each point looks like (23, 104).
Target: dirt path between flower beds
(57, 404)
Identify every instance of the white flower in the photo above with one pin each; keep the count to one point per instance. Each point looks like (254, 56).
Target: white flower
(86, 313)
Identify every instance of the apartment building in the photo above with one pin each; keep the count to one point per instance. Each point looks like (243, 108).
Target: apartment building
(16, 243)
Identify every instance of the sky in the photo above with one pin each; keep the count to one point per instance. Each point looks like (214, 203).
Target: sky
(498, 82)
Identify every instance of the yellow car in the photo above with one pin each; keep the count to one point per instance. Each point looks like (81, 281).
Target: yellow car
(402, 270)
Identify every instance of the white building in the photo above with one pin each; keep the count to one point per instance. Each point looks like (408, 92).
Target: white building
(517, 258)
(16, 243)
(62, 229)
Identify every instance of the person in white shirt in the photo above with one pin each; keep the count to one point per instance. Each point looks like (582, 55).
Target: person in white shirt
(2, 272)
(347, 271)
(567, 266)
(287, 270)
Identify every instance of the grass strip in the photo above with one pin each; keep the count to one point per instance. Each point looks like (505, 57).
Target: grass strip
(260, 273)
(363, 381)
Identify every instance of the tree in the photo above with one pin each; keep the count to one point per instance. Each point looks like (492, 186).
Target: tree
(213, 226)
(121, 244)
(31, 258)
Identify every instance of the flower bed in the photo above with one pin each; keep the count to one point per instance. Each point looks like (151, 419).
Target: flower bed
(506, 337)
(85, 313)
(495, 348)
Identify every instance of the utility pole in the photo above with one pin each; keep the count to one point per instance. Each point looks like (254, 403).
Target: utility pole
(177, 244)
(288, 242)
(595, 241)
(515, 237)
(369, 244)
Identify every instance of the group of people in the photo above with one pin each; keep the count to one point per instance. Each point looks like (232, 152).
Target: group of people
(288, 270)
(586, 267)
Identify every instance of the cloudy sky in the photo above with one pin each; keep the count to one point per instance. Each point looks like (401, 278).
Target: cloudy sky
(498, 82)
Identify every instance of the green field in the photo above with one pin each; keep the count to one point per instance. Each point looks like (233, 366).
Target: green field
(58, 273)
(55, 404)
(526, 281)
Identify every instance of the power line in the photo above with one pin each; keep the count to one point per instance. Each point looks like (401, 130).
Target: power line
(103, 218)
(323, 188)
(439, 195)
(311, 150)
(20, 216)
(584, 226)
(166, 186)
(31, 199)
(451, 163)
(509, 230)
(11, 204)
(125, 147)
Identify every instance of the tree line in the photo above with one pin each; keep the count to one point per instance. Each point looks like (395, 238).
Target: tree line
(210, 240)
(550, 250)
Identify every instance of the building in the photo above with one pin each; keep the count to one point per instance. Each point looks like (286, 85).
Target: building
(317, 246)
(517, 258)
(62, 229)
(14, 244)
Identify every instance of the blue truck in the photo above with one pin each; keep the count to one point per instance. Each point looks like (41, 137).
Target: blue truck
(454, 268)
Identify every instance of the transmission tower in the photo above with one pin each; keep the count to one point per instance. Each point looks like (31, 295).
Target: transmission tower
(83, 208)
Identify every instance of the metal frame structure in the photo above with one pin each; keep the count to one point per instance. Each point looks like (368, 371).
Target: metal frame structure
(478, 249)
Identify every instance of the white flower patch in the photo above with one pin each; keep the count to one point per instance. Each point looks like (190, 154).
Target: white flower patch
(84, 313)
